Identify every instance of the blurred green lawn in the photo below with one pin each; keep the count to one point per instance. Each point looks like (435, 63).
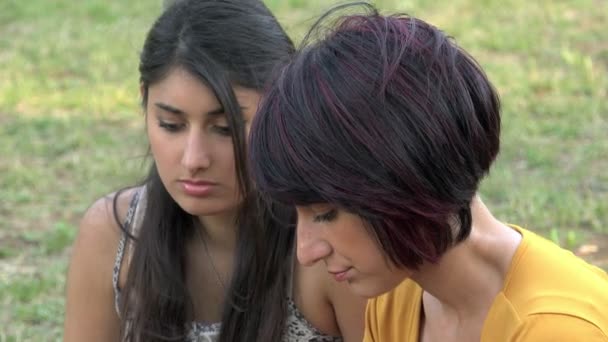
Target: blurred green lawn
(71, 128)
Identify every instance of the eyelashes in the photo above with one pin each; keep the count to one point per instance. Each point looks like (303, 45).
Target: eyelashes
(174, 128)
(222, 130)
(327, 216)
(169, 127)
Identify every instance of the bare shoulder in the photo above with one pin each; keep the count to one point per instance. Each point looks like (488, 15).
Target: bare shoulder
(89, 281)
(99, 229)
(99, 232)
(101, 213)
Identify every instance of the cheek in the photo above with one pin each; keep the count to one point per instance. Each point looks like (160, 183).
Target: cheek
(152, 139)
(361, 246)
(224, 163)
(373, 255)
(165, 151)
(156, 145)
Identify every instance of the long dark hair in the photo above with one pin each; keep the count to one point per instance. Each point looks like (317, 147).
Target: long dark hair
(385, 117)
(223, 43)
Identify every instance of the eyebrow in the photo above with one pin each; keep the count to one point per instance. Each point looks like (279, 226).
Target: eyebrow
(171, 109)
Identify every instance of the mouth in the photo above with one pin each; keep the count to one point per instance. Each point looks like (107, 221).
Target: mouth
(197, 188)
(341, 275)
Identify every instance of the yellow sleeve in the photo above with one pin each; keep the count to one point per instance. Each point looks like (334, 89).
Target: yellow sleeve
(371, 322)
(556, 327)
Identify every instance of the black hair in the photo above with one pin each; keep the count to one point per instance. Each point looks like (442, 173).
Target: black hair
(223, 43)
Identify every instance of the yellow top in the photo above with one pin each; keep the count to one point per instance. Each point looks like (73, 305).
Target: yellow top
(548, 295)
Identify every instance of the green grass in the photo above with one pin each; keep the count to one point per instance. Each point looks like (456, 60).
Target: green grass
(71, 128)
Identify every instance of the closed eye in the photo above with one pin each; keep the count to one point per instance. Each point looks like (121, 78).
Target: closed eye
(327, 216)
(170, 127)
(222, 130)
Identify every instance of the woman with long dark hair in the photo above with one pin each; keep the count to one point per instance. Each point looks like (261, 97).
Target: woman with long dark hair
(380, 133)
(191, 254)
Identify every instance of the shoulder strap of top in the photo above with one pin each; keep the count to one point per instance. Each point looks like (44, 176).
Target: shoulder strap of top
(127, 224)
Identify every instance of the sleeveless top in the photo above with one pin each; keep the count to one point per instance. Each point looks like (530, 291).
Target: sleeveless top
(298, 328)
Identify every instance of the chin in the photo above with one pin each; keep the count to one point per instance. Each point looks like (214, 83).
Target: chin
(372, 289)
(367, 290)
(201, 211)
(204, 209)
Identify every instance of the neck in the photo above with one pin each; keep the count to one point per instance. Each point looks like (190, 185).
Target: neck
(219, 230)
(468, 277)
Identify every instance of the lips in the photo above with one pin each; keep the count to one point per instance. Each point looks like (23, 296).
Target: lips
(197, 188)
(341, 275)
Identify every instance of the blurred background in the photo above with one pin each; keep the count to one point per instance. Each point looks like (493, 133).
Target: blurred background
(71, 129)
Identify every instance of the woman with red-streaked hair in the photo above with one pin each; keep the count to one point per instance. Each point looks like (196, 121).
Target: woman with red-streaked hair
(380, 133)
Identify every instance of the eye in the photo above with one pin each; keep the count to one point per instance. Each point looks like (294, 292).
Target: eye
(222, 130)
(170, 127)
(327, 216)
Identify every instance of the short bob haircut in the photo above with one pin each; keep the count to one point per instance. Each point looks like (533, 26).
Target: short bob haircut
(384, 117)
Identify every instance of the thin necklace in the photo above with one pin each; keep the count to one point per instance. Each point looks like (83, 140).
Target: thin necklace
(217, 274)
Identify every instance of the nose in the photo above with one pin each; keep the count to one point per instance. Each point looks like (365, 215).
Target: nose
(311, 247)
(196, 155)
